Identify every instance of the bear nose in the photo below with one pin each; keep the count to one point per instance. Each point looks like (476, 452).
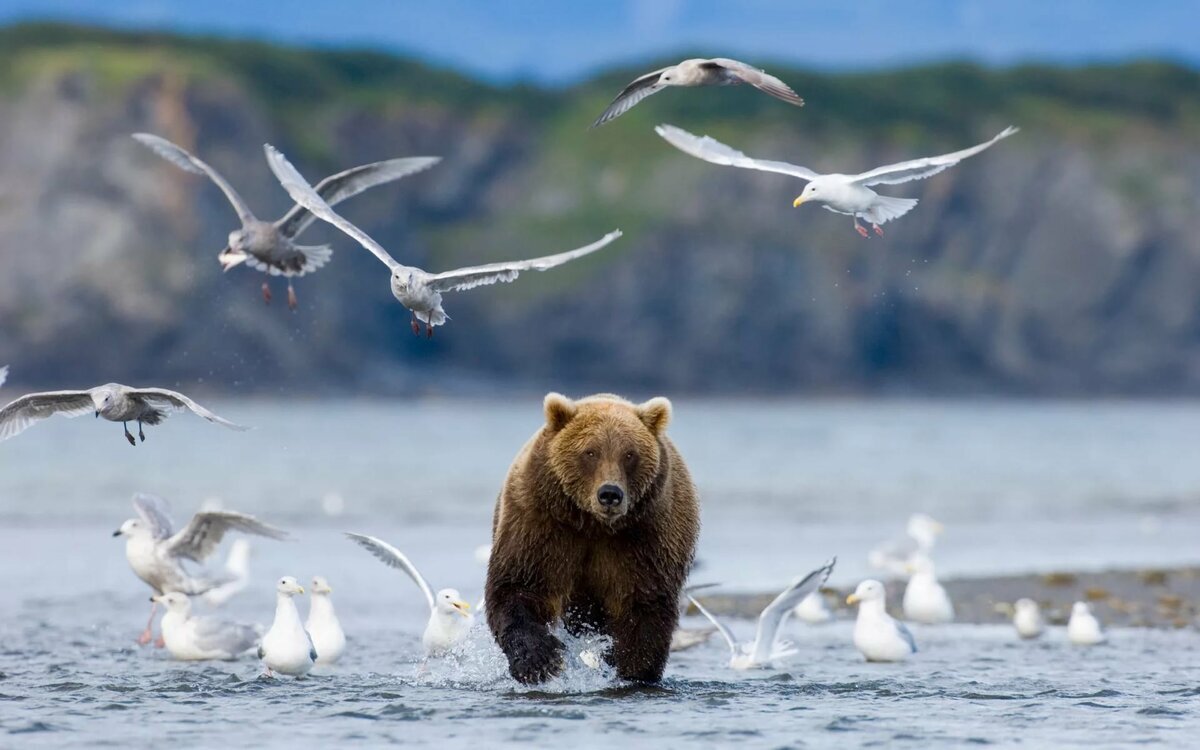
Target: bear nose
(610, 495)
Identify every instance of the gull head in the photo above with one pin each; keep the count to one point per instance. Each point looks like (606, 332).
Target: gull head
(104, 397)
(1027, 606)
(924, 529)
(402, 281)
(174, 601)
(1081, 609)
(812, 191)
(289, 586)
(132, 528)
(237, 251)
(868, 591)
(321, 586)
(450, 602)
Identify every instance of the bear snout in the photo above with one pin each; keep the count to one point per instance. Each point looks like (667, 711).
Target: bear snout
(610, 496)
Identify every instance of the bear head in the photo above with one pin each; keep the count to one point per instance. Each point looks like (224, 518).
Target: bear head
(605, 451)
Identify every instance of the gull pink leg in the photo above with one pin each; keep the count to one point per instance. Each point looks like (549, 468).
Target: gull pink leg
(148, 634)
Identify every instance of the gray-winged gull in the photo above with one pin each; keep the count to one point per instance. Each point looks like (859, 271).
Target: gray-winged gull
(322, 624)
(895, 556)
(877, 636)
(287, 648)
(192, 638)
(1083, 629)
(925, 599)
(1027, 618)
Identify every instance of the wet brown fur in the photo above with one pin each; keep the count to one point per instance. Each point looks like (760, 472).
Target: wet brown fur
(557, 555)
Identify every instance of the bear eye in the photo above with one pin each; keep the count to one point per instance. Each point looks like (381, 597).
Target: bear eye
(629, 455)
(589, 453)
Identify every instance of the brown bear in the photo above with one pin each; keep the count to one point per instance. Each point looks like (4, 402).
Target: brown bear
(596, 526)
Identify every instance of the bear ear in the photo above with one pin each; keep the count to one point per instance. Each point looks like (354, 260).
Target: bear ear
(559, 411)
(655, 414)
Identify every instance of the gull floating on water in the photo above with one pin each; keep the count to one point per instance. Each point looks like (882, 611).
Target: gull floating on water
(113, 401)
(1083, 629)
(191, 638)
(287, 648)
(767, 648)
(449, 616)
(270, 246)
(812, 609)
(716, 71)
(237, 569)
(1027, 618)
(322, 624)
(848, 194)
(925, 600)
(416, 289)
(897, 555)
(877, 636)
(156, 552)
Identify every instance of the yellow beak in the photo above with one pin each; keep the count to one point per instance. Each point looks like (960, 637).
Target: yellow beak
(463, 608)
(852, 599)
(799, 199)
(301, 589)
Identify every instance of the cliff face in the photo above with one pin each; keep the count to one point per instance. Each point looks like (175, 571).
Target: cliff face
(1065, 260)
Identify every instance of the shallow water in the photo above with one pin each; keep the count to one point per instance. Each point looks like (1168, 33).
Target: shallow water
(1024, 486)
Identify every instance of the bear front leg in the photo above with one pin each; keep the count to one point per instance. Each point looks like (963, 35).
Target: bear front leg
(642, 638)
(520, 624)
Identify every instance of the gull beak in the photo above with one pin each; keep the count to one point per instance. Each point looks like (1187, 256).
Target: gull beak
(910, 569)
(117, 532)
(97, 414)
(463, 608)
(301, 589)
(799, 199)
(852, 599)
(155, 599)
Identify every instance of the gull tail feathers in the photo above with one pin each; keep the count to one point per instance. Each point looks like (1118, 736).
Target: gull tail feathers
(315, 256)
(887, 208)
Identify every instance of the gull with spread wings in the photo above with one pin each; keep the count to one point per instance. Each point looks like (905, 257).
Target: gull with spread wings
(848, 194)
(419, 290)
(270, 246)
(716, 71)
(113, 401)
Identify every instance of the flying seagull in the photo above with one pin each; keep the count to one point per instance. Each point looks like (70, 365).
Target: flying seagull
(766, 649)
(419, 290)
(847, 194)
(716, 71)
(113, 401)
(270, 246)
(157, 552)
(449, 616)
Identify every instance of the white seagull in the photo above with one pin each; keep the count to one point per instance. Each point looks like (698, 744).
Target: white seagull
(1083, 629)
(3, 374)
(113, 401)
(877, 636)
(287, 648)
(925, 600)
(416, 289)
(190, 638)
(1027, 618)
(716, 71)
(322, 624)
(270, 246)
(897, 555)
(767, 648)
(449, 616)
(157, 553)
(812, 609)
(848, 194)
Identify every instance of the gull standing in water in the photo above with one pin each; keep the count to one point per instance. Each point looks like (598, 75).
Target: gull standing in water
(190, 638)
(848, 194)
(716, 71)
(766, 649)
(287, 648)
(270, 246)
(113, 401)
(877, 636)
(1083, 629)
(925, 600)
(1027, 619)
(322, 624)
(416, 289)
(157, 553)
(897, 555)
(450, 617)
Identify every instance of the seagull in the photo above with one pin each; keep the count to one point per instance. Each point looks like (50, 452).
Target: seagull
(322, 624)
(812, 609)
(237, 568)
(190, 638)
(1083, 629)
(848, 194)
(716, 71)
(925, 601)
(269, 246)
(113, 401)
(766, 649)
(876, 635)
(896, 556)
(156, 552)
(449, 616)
(1027, 619)
(287, 648)
(419, 290)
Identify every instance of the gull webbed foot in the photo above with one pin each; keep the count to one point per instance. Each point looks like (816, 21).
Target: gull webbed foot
(292, 303)
(416, 327)
(128, 435)
(861, 230)
(878, 229)
(141, 435)
(145, 637)
(266, 292)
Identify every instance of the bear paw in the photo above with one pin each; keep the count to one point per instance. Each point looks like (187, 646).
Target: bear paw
(534, 658)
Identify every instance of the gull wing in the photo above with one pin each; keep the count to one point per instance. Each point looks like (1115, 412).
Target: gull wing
(772, 617)
(153, 510)
(720, 626)
(190, 163)
(637, 90)
(303, 193)
(20, 414)
(711, 150)
(394, 558)
(759, 79)
(919, 169)
(893, 555)
(906, 634)
(204, 533)
(3, 374)
(229, 637)
(473, 276)
(337, 188)
(174, 399)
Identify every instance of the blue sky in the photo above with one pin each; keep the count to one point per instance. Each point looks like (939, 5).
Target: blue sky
(559, 42)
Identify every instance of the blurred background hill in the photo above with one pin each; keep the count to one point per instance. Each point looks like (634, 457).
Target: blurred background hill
(1064, 261)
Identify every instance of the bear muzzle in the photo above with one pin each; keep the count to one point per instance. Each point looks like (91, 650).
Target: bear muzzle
(611, 499)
